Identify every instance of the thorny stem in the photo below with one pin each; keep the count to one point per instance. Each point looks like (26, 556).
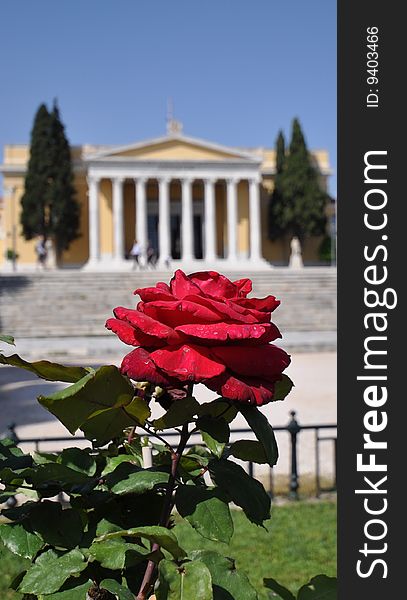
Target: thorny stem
(166, 511)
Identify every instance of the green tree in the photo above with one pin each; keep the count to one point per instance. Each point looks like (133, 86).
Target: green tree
(298, 206)
(35, 201)
(49, 207)
(276, 204)
(65, 212)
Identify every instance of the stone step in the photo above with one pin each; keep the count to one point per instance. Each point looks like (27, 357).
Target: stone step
(76, 303)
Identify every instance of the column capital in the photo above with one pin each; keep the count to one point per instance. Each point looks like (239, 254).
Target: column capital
(93, 179)
(187, 180)
(140, 179)
(164, 180)
(118, 179)
(254, 179)
(210, 180)
(232, 180)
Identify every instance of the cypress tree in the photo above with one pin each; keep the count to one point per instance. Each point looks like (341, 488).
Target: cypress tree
(276, 203)
(64, 208)
(298, 205)
(35, 200)
(48, 204)
(302, 191)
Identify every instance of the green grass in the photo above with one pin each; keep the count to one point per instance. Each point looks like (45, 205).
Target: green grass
(299, 542)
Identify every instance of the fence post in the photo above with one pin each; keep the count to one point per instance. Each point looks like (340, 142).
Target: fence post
(293, 429)
(13, 435)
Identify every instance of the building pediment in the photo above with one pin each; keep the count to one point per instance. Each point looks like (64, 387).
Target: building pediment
(174, 148)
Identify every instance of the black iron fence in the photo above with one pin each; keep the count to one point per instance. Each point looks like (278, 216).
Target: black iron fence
(293, 428)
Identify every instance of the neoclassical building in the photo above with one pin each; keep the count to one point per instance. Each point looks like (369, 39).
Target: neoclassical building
(197, 203)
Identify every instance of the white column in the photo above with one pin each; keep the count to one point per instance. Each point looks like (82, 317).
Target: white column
(187, 221)
(141, 215)
(255, 220)
(210, 220)
(164, 233)
(94, 234)
(232, 218)
(118, 221)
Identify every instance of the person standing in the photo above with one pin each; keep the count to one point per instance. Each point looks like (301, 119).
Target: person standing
(41, 252)
(135, 253)
(151, 256)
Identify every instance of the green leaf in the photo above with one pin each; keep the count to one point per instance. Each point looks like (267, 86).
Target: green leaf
(248, 450)
(114, 461)
(130, 479)
(98, 391)
(263, 431)
(106, 425)
(191, 580)
(276, 587)
(138, 409)
(219, 408)
(12, 457)
(116, 554)
(7, 339)
(320, 587)
(243, 490)
(20, 541)
(50, 571)
(79, 460)
(56, 526)
(207, 512)
(178, 414)
(282, 388)
(45, 369)
(227, 582)
(71, 590)
(55, 473)
(121, 592)
(215, 433)
(160, 535)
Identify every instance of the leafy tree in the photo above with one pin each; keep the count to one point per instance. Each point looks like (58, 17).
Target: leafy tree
(49, 207)
(297, 207)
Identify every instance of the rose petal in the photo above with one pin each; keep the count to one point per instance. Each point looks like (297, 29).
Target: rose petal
(145, 324)
(210, 333)
(182, 286)
(244, 286)
(243, 389)
(214, 284)
(267, 304)
(187, 362)
(253, 361)
(179, 312)
(154, 293)
(138, 366)
(127, 334)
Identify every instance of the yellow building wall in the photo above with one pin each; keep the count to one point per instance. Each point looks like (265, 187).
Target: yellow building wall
(129, 200)
(11, 217)
(221, 225)
(243, 235)
(105, 218)
(78, 251)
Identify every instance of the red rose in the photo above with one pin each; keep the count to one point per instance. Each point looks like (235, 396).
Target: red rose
(203, 328)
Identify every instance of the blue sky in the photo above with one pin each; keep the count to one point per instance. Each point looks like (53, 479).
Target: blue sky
(237, 70)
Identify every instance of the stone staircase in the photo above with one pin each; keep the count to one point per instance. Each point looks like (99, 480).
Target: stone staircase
(76, 303)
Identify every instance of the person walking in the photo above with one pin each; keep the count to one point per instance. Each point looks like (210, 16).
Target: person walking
(135, 253)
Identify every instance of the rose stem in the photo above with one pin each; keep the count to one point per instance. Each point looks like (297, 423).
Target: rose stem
(166, 510)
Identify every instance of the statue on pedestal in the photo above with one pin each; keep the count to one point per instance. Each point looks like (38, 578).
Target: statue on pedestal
(296, 256)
